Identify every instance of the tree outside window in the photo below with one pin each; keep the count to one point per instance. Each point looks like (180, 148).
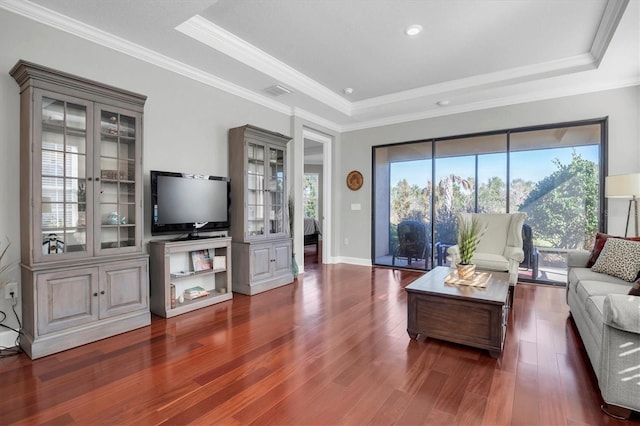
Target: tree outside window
(311, 195)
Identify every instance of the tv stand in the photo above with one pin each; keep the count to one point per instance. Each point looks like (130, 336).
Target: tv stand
(194, 236)
(180, 265)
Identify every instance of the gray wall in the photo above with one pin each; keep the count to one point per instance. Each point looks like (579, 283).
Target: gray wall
(622, 106)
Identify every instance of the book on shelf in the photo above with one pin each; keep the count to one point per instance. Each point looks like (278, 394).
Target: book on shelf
(195, 292)
(179, 274)
(219, 262)
(201, 260)
(173, 296)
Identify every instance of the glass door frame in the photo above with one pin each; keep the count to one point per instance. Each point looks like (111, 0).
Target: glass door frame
(38, 201)
(602, 168)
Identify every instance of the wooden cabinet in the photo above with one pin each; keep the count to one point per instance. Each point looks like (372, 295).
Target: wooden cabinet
(259, 226)
(268, 266)
(176, 267)
(83, 265)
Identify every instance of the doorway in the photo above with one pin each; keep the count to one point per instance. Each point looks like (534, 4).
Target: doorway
(317, 147)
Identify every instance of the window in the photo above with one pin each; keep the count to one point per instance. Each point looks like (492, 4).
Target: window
(552, 173)
(311, 195)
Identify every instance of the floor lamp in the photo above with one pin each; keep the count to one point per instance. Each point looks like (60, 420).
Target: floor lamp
(625, 186)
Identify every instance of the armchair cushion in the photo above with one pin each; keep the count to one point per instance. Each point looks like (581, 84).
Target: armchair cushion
(492, 262)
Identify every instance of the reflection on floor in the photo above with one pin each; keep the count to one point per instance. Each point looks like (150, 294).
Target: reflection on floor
(548, 272)
(311, 258)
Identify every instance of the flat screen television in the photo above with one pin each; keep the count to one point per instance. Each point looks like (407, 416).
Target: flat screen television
(183, 203)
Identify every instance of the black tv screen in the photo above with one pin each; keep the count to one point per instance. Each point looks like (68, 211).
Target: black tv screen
(188, 203)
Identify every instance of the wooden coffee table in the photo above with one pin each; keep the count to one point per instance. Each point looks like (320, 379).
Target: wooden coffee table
(473, 316)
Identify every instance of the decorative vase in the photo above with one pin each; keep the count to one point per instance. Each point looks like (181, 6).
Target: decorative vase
(465, 272)
(294, 266)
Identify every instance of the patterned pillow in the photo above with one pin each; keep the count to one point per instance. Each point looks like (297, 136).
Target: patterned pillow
(619, 258)
(601, 238)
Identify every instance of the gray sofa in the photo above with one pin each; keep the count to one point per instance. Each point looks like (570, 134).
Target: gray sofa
(608, 320)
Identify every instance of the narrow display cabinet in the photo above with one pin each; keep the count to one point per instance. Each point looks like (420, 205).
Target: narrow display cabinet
(262, 248)
(188, 275)
(84, 273)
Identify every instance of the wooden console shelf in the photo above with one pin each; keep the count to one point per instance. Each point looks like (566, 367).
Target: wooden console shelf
(174, 265)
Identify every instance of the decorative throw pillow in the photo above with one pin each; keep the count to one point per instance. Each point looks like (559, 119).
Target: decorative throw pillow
(601, 238)
(635, 289)
(619, 258)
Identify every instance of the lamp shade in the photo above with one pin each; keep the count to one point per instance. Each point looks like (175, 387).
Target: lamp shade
(622, 186)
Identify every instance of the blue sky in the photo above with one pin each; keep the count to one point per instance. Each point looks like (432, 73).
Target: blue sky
(527, 165)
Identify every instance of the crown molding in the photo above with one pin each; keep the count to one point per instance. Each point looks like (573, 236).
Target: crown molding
(79, 29)
(218, 38)
(610, 19)
(540, 95)
(485, 81)
(316, 119)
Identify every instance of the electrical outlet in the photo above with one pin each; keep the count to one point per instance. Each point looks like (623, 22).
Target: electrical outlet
(11, 288)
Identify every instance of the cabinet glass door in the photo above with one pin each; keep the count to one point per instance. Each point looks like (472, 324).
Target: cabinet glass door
(277, 200)
(255, 189)
(63, 178)
(117, 214)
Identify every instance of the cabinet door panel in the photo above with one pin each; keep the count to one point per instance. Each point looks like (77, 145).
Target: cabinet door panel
(282, 254)
(119, 212)
(66, 299)
(61, 166)
(260, 262)
(277, 201)
(124, 288)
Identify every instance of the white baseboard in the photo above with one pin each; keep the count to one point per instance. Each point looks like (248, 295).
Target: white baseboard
(8, 338)
(354, 261)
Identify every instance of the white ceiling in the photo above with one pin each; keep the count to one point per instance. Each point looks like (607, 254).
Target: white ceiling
(472, 53)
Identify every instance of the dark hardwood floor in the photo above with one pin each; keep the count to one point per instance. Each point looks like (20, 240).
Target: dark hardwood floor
(330, 349)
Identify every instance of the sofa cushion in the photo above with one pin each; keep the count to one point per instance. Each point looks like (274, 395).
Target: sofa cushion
(601, 238)
(619, 258)
(586, 274)
(586, 289)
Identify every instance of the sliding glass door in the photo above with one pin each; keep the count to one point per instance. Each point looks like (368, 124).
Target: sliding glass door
(552, 173)
(555, 178)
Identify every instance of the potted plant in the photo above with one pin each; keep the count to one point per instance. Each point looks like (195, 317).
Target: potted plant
(468, 236)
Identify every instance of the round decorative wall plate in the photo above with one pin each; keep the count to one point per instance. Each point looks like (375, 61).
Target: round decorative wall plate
(354, 180)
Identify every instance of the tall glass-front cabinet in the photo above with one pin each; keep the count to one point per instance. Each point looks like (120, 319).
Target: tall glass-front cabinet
(262, 247)
(84, 272)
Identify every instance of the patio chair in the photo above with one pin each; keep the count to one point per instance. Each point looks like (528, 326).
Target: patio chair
(530, 252)
(412, 241)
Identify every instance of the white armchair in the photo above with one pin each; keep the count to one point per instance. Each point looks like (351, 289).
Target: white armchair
(500, 248)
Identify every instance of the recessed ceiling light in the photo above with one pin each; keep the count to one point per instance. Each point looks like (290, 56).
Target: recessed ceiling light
(348, 90)
(413, 30)
(443, 102)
